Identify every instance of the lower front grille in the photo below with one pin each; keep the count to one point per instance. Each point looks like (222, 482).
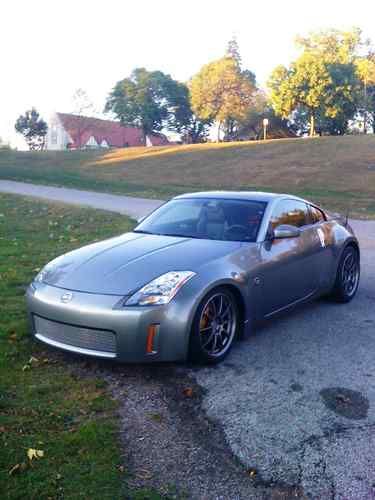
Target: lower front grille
(76, 338)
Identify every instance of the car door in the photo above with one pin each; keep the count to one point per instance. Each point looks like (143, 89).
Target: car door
(289, 265)
(324, 246)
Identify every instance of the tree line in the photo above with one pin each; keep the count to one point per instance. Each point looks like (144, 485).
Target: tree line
(329, 89)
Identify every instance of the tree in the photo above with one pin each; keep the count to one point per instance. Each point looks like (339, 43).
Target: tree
(233, 50)
(322, 83)
(84, 109)
(231, 124)
(366, 74)
(33, 129)
(251, 127)
(220, 92)
(144, 100)
(302, 85)
(182, 119)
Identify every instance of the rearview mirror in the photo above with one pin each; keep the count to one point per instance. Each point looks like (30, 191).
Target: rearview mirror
(285, 231)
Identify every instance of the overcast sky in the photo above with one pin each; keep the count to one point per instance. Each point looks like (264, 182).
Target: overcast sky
(50, 48)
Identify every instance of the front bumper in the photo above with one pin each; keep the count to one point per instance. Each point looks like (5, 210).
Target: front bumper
(92, 325)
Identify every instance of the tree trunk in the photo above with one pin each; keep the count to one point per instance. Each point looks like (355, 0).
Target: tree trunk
(312, 125)
(218, 132)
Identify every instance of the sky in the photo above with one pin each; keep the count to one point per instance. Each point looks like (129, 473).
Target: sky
(50, 48)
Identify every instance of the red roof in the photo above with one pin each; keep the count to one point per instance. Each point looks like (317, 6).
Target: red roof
(81, 128)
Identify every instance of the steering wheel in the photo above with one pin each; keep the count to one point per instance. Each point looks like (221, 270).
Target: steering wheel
(237, 231)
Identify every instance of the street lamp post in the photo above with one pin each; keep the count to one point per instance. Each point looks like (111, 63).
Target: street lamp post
(265, 125)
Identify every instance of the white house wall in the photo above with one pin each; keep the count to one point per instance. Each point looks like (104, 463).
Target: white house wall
(57, 137)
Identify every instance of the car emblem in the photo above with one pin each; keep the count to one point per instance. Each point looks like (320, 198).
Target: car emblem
(66, 297)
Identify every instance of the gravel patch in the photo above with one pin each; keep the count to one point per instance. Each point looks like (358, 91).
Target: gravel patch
(169, 444)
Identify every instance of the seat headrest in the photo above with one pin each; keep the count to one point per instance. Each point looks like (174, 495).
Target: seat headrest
(214, 214)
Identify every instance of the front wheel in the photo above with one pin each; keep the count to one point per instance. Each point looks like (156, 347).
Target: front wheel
(214, 327)
(348, 274)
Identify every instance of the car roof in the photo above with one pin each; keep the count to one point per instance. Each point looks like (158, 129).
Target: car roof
(238, 195)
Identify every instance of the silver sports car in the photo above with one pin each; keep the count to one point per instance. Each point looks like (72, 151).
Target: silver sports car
(193, 277)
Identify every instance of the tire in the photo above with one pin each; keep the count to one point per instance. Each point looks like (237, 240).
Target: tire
(215, 327)
(347, 277)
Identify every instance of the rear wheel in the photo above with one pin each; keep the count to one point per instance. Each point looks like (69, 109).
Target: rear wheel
(348, 274)
(214, 327)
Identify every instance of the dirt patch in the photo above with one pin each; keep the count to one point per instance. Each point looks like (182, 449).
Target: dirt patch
(169, 444)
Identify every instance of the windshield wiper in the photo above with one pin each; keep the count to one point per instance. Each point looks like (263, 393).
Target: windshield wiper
(181, 235)
(142, 231)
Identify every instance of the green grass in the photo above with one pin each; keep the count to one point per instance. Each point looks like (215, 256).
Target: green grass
(43, 404)
(337, 172)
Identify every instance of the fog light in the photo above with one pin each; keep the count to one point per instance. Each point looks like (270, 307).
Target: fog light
(152, 334)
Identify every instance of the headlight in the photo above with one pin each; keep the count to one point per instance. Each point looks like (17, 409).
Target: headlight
(161, 290)
(43, 274)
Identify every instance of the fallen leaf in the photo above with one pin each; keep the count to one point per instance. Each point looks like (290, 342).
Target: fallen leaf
(14, 469)
(32, 453)
(188, 392)
(17, 468)
(252, 472)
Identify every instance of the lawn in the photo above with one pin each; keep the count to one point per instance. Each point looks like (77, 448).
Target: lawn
(337, 172)
(44, 405)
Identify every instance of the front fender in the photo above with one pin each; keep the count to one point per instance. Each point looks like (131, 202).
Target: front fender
(199, 287)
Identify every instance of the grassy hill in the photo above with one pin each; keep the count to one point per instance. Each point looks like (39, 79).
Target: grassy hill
(338, 172)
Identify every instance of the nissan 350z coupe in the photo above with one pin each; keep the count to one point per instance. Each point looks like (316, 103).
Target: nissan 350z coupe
(193, 277)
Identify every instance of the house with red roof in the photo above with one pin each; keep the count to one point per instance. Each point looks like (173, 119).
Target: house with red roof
(68, 131)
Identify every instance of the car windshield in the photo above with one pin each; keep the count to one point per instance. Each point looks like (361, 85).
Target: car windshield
(206, 218)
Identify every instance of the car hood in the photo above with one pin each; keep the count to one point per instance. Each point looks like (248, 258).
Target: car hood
(122, 265)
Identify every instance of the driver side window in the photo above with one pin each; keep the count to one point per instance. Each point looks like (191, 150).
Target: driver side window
(291, 212)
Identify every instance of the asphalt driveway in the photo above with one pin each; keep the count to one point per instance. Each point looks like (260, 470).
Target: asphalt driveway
(296, 402)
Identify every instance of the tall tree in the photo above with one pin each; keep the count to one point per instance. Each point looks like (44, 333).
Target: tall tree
(84, 108)
(220, 92)
(33, 128)
(231, 124)
(233, 50)
(322, 82)
(145, 100)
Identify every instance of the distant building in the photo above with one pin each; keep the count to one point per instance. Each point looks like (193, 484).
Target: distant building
(67, 131)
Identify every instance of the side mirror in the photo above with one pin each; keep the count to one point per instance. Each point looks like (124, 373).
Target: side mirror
(286, 231)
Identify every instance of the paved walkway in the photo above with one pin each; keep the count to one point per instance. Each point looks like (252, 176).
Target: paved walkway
(134, 207)
(128, 205)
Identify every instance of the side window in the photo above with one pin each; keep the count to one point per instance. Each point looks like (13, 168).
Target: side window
(292, 212)
(316, 215)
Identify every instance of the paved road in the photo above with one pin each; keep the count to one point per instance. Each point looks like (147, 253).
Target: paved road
(297, 400)
(134, 207)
